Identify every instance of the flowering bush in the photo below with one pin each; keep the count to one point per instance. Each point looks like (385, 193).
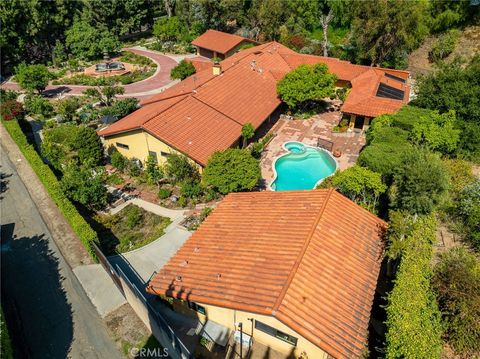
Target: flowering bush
(11, 110)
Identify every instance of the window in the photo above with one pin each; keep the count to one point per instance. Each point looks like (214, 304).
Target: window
(165, 154)
(121, 145)
(196, 307)
(395, 77)
(275, 333)
(390, 92)
(153, 154)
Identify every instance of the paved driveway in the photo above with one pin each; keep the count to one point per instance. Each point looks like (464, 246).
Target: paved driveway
(142, 89)
(48, 311)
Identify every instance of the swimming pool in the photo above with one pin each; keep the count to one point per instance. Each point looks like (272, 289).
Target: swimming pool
(302, 167)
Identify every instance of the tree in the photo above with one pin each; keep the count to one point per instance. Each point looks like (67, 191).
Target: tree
(361, 185)
(247, 133)
(182, 70)
(58, 145)
(384, 31)
(122, 108)
(152, 170)
(32, 77)
(456, 281)
(88, 42)
(168, 29)
(413, 319)
(232, 170)
(89, 147)
(271, 15)
(82, 185)
(306, 83)
(179, 168)
(105, 94)
(437, 131)
(325, 21)
(420, 183)
(68, 107)
(118, 160)
(456, 87)
(468, 209)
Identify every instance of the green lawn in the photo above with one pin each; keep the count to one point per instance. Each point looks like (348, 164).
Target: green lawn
(129, 229)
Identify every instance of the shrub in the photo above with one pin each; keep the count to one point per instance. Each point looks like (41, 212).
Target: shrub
(179, 168)
(122, 108)
(58, 145)
(182, 201)
(232, 170)
(7, 95)
(384, 157)
(164, 193)
(38, 105)
(83, 186)
(134, 216)
(359, 184)
(11, 110)
(89, 146)
(152, 170)
(468, 208)
(81, 228)
(191, 189)
(413, 319)
(119, 161)
(444, 45)
(133, 58)
(456, 281)
(420, 183)
(460, 173)
(182, 70)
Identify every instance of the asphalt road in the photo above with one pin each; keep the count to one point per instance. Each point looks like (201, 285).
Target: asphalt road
(47, 310)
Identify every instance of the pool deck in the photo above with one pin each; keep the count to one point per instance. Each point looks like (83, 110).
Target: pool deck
(308, 132)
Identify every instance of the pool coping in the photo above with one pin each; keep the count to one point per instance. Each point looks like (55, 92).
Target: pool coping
(275, 175)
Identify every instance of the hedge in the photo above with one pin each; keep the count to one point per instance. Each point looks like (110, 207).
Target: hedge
(81, 228)
(413, 319)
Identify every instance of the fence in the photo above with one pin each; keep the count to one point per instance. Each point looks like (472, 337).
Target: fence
(152, 319)
(159, 327)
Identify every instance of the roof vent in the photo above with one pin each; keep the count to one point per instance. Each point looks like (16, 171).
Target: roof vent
(260, 71)
(253, 64)
(196, 250)
(184, 263)
(178, 278)
(219, 275)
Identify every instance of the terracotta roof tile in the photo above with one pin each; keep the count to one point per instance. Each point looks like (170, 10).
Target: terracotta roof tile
(218, 41)
(309, 258)
(246, 92)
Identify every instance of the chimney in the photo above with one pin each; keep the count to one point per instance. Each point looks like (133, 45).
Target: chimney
(217, 68)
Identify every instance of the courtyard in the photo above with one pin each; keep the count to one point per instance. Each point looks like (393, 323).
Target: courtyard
(310, 131)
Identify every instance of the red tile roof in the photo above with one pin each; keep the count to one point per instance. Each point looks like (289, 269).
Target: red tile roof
(309, 258)
(246, 92)
(218, 41)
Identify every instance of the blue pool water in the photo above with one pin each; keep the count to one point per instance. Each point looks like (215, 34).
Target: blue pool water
(302, 167)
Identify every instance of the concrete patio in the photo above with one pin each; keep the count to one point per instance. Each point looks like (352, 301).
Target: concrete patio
(308, 132)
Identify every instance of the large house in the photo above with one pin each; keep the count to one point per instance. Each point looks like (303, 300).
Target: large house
(217, 44)
(297, 269)
(205, 112)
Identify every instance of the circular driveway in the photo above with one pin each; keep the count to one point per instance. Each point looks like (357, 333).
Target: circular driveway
(141, 89)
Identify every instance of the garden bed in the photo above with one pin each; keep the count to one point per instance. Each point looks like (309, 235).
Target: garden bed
(131, 228)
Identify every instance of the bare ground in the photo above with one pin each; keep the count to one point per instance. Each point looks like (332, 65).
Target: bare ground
(467, 46)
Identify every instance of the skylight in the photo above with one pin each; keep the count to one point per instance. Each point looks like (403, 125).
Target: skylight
(390, 92)
(395, 77)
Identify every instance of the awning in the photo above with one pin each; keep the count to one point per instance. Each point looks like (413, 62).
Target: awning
(215, 332)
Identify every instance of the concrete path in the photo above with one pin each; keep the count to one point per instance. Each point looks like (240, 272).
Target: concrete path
(48, 311)
(141, 89)
(140, 264)
(99, 288)
(176, 215)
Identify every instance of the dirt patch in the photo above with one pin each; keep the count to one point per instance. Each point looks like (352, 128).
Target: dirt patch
(128, 330)
(467, 46)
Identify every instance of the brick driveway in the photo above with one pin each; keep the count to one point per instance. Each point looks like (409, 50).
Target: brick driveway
(140, 90)
(308, 132)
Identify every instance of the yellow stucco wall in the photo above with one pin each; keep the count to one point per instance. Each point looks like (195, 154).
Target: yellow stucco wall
(228, 317)
(139, 144)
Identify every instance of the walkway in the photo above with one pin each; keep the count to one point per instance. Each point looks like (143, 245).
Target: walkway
(141, 90)
(308, 132)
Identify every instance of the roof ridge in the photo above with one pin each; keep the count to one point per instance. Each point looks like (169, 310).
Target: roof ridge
(299, 258)
(213, 108)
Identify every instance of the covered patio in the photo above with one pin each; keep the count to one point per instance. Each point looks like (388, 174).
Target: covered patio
(315, 130)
